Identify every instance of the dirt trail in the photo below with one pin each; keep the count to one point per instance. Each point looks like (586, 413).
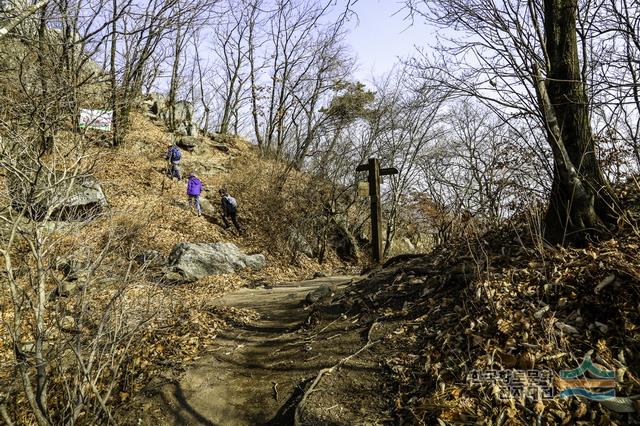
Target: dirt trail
(256, 373)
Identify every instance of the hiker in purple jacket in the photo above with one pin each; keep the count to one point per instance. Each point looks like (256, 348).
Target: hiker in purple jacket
(194, 188)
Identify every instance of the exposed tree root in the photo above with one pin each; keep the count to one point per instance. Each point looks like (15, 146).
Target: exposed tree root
(298, 413)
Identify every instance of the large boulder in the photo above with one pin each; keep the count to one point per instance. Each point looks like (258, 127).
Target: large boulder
(186, 128)
(198, 260)
(157, 104)
(65, 197)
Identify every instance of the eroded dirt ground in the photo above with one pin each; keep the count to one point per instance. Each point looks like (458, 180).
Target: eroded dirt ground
(258, 371)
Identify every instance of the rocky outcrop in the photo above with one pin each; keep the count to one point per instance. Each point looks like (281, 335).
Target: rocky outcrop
(183, 112)
(56, 196)
(157, 106)
(197, 260)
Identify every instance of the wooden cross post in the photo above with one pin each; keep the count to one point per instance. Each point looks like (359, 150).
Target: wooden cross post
(373, 166)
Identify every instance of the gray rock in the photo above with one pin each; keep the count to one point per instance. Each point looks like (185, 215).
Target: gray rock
(323, 293)
(207, 207)
(299, 244)
(183, 111)
(208, 168)
(188, 143)
(157, 104)
(198, 260)
(51, 192)
(172, 277)
(186, 128)
(183, 119)
(344, 242)
(181, 130)
(86, 195)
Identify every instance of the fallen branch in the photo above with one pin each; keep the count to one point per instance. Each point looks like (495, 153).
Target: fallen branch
(21, 17)
(4, 415)
(296, 419)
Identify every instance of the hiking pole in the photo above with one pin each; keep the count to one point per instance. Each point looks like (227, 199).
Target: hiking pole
(164, 178)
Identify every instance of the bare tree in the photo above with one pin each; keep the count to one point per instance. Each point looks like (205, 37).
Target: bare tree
(304, 50)
(136, 36)
(231, 40)
(187, 16)
(24, 14)
(540, 66)
(407, 122)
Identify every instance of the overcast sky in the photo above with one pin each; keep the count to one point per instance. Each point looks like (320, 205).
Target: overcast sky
(383, 34)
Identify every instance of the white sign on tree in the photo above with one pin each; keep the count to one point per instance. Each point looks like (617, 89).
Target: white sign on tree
(98, 119)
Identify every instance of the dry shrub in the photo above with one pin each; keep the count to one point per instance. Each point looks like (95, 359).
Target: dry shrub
(288, 219)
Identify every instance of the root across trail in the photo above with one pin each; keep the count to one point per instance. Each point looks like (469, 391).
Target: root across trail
(259, 372)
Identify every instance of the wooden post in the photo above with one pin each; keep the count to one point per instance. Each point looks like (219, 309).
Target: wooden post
(376, 212)
(373, 167)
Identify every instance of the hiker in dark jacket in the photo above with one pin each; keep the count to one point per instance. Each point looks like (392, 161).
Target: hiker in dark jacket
(194, 189)
(229, 207)
(173, 157)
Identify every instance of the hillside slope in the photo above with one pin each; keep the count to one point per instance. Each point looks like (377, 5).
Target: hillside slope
(97, 294)
(142, 196)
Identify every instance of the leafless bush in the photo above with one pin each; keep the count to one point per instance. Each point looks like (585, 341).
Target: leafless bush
(67, 317)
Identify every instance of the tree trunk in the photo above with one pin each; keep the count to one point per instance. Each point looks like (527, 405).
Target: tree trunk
(252, 75)
(115, 117)
(173, 86)
(582, 203)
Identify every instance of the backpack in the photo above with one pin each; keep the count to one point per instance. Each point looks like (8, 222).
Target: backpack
(175, 153)
(231, 202)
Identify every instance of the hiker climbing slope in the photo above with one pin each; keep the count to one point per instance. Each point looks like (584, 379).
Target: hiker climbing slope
(173, 158)
(194, 188)
(229, 207)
